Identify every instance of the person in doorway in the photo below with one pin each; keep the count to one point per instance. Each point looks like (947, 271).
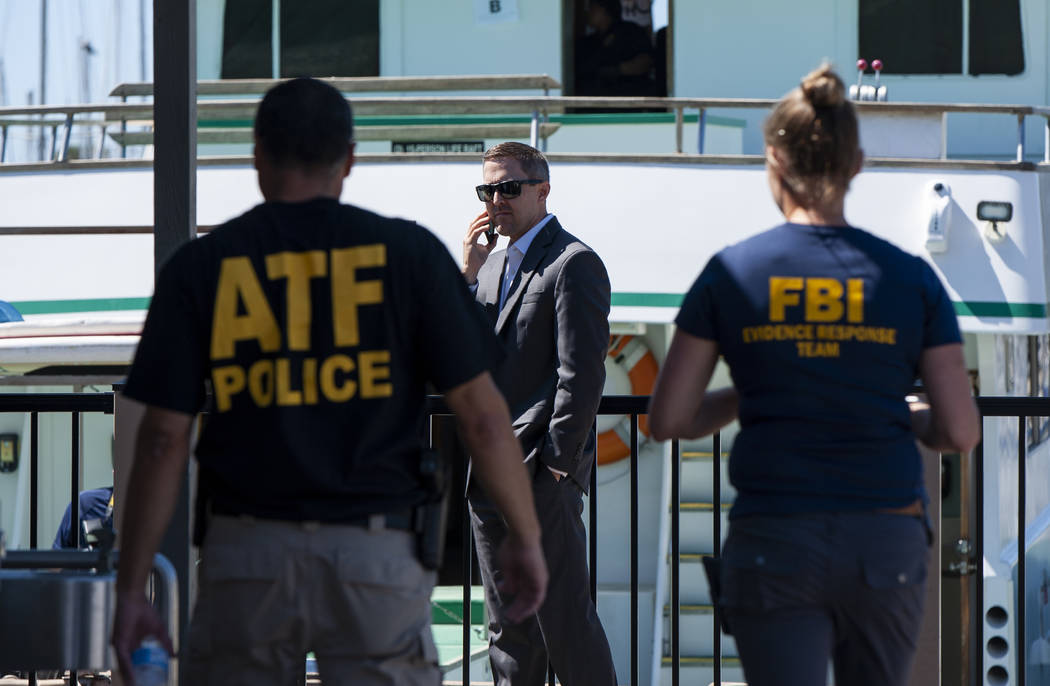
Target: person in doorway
(616, 57)
(319, 326)
(825, 329)
(547, 297)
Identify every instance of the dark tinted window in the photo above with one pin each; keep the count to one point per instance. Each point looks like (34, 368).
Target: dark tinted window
(912, 36)
(330, 38)
(925, 36)
(995, 37)
(317, 38)
(246, 40)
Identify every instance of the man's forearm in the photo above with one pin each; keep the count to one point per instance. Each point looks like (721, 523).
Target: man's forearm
(156, 477)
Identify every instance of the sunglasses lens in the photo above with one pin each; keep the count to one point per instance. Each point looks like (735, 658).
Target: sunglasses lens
(510, 189)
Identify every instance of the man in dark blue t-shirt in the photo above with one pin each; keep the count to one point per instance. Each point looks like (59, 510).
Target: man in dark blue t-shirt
(96, 510)
(318, 326)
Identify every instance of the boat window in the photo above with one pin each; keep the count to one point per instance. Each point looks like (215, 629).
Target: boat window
(316, 38)
(995, 37)
(927, 36)
(609, 55)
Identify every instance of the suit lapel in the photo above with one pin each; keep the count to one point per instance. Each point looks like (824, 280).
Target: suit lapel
(529, 263)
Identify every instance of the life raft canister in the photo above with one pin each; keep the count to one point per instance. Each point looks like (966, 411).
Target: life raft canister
(630, 369)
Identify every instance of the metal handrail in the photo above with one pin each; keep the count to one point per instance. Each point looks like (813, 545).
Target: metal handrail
(165, 587)
(538, 107)
(508, 104)
(364, 84)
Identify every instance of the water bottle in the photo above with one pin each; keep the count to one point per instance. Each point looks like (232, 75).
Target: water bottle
(149, 663)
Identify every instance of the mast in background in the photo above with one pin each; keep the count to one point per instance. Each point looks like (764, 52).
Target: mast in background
(42, 146)
(143, 76)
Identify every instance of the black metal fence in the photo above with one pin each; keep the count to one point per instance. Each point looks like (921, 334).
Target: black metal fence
(75, 404)
(632, 407)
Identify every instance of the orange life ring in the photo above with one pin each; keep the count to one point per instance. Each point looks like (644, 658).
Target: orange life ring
(629, 363)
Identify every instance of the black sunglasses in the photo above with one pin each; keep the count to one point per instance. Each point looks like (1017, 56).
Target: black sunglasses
(508, 189)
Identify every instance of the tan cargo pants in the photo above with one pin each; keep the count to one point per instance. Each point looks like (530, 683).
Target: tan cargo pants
(272, 591)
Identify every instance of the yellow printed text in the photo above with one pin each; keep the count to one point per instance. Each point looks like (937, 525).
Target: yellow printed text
(823, 299)
(817, 349)
(283, 382)
(243, 313)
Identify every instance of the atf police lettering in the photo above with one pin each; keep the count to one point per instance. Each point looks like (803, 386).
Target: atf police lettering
(825, 304)
(242, 313)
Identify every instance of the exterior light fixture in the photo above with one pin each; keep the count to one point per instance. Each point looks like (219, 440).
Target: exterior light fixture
(994, 213)
(8, 452)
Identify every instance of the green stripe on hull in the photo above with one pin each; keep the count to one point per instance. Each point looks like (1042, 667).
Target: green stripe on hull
(647, 299)
(619, 299)
(93, 305)
(986, 309)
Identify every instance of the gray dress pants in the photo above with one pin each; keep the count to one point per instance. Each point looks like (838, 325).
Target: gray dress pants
(566, 630)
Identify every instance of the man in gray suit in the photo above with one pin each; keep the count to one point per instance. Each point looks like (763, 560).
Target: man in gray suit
(548, 297)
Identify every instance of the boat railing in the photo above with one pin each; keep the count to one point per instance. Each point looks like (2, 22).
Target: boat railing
(225, 110)
(633, 407)
(80, 631)
(364, 84)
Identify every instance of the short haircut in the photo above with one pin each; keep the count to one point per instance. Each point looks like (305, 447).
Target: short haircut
(304, 123)
(532, 160)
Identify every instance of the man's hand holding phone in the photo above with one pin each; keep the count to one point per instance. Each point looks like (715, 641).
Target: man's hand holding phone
(479, 242)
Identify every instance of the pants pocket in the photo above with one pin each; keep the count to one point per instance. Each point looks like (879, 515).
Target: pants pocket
(760, 574)
(898, 556)
(246, 596)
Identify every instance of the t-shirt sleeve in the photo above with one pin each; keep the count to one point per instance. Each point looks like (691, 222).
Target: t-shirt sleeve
(941, 326)
(697, 315)
(456, 341)
(169, 366)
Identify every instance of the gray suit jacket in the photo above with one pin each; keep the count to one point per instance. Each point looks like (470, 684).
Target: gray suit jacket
(555, 331)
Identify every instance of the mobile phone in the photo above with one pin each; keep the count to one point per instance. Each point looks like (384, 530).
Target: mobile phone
(490, 233)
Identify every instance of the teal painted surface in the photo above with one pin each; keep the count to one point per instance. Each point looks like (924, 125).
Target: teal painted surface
(90, 305)
(619, 299)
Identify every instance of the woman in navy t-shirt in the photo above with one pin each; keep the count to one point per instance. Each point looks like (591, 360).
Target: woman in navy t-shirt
(825, 329)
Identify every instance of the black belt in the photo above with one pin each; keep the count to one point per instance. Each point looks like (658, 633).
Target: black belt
(403, 520)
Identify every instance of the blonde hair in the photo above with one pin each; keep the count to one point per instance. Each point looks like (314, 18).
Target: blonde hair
(814, 131)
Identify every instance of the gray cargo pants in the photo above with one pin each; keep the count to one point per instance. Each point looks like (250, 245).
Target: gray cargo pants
(272, 591)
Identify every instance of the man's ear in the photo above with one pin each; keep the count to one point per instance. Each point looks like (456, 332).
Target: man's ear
(544, 191)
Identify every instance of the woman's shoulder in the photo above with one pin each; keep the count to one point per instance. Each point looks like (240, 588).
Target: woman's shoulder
(884, 252)
(771, 242)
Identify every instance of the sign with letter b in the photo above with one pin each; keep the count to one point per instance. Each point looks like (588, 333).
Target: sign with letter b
(495, 11)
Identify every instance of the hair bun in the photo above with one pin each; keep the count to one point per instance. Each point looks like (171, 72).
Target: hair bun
(822, 87)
